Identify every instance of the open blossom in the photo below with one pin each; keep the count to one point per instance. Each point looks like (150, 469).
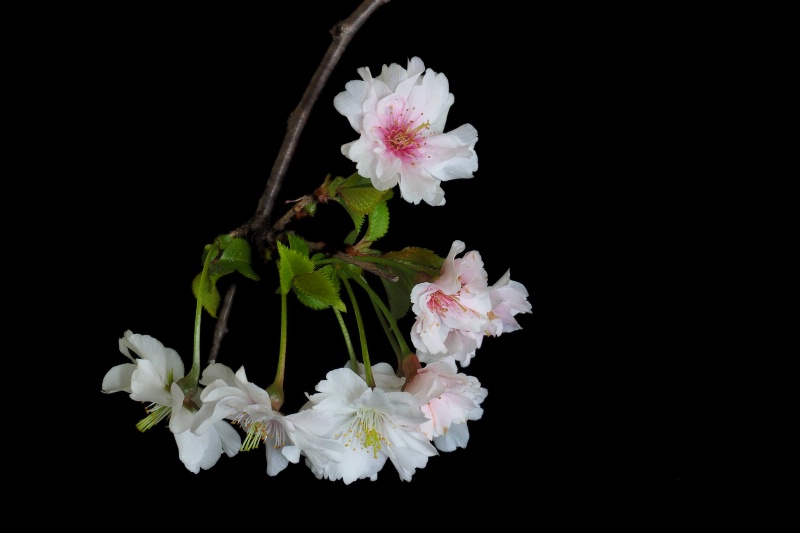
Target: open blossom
(455, 311)
(373, 424)
(452, 310)
(231, 396)
(449, 399)
(151, 378)
(400, 116)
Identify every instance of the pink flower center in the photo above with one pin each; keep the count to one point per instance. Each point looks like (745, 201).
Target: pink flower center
(404, 135)
(440, 303)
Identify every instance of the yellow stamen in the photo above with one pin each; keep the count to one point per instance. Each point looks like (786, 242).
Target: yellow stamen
(156, 413)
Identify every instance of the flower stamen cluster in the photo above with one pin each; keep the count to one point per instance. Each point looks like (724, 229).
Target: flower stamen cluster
(366, 432)
(155, 414)
(401, 135)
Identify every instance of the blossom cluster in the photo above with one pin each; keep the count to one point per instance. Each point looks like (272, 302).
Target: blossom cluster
(362, 415)
(402, 419)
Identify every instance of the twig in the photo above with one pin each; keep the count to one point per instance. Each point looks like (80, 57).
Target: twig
(222, 324)
(293, 213)
(369, 267)
(257, 228)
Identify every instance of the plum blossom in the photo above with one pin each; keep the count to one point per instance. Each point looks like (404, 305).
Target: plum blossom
(373, 424)
(455, 311)
(449, 399)
(232, 396)
(151, 378)
(400, 116)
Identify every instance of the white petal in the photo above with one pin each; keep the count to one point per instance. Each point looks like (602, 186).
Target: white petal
(163, 359)
(118, 379)
(229, 438)
(418, 186)
(218, 371)
(457, 436)
(198, 451)
(276, 460)
(147, 384)
(180, 419)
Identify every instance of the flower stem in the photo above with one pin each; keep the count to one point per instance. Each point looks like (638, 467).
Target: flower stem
(389, 333)
(275, 390)
(376, 300)
(361, 334)
(347, 341)
(188, 383)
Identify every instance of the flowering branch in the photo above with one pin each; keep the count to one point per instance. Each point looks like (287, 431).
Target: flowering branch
(256, 229)
(366, 412)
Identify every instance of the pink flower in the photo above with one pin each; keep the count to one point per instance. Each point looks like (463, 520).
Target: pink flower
(400, 117)
(449, 399)
(458, 309)
(452, 310)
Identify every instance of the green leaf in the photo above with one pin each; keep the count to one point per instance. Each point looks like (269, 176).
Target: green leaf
(319, 289)
(349, 270)
(329, 186)
(361, 200)
(231, 254)
(236, 255)
(378, 223)
(358, 197)
(421, 258)
(398, 295)
(358, 221)
(291, 263)
(298, 244)
(209, 295)
(351, 237)
(285, 273)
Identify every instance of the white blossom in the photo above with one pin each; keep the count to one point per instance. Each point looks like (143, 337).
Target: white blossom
(373, 424)
(151, 378)
(400, 116)
(233, 397)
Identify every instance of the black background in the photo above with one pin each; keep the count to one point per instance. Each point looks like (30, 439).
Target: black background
(600, 410)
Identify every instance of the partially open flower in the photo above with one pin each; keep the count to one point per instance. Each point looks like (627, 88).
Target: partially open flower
(151, 378)
(449, 399)
(232, 396)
